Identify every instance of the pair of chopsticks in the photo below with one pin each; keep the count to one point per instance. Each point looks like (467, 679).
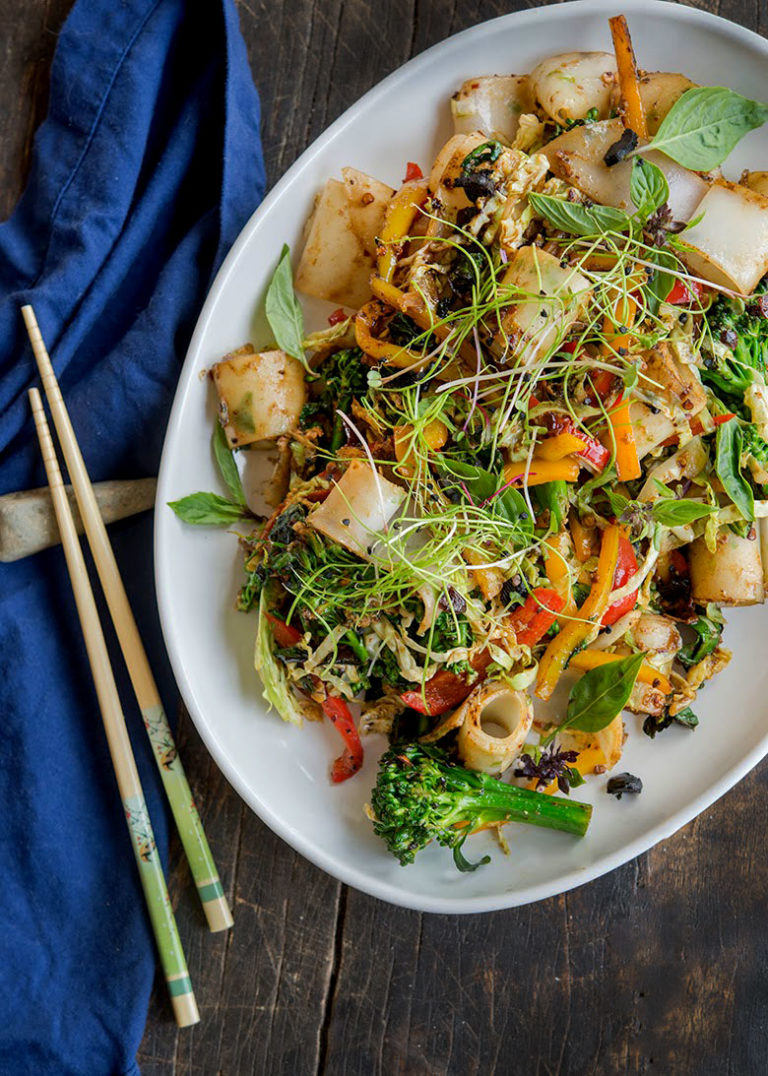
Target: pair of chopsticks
(156, 723)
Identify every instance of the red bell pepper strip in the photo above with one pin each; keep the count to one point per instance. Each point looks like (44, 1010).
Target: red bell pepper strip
(351, 759)
(446, 689)
(593, 453)
(696, 427)
(284, 634)
(412, 171)
(603, 382)
(677, 562)
(626, 566)
(683, 293)
(337, 316)
(317, 495)
(533, 619)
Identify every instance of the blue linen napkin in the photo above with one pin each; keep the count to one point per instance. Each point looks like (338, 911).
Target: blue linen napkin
(145, 170)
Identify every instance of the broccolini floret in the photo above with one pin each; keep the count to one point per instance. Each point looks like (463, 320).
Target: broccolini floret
(421, 796)
(345, 378)
(743, 328)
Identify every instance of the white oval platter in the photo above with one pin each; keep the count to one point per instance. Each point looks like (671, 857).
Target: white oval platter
(282, 772)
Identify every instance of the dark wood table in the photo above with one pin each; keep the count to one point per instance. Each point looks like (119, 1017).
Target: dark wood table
(660, 966)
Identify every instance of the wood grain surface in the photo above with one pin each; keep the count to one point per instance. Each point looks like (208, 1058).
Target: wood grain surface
(662, 966)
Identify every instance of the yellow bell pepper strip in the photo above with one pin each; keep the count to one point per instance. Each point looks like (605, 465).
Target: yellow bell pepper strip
(575, 632)
(631, 106)
(401, 213)
(392, 295)
(559, 576)
(412, 305)
(595, 455)
(566, 470)
(558, 447)
(591, 659)
(366, 322)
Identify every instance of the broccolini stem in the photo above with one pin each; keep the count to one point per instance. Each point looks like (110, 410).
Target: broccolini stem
(498, 802)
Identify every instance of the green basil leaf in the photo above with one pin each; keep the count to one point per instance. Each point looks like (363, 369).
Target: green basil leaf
(480, 484)
(208, 510)
(648, 187)
(511, 504)
(574, 777)
(630, 377)
(225, 458)
(704, 125)
(673, 513)
(484, 486)
(618, 502)
(554, 496)
(707, 636)
(579, 219)
(660, 283)
(602, 693)
(283, 311)
(686, 717)
(728, 468)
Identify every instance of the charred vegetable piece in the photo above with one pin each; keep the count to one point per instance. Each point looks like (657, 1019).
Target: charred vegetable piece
(624, 783)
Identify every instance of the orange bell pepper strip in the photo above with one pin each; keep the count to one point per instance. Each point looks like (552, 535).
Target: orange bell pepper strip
(592, 659)
(566, 470)
(576, 632)
(627, 460)
(582, 538)
(434, 436)
(401, 213)
(490, 579)
(631, 107)
(558, 447)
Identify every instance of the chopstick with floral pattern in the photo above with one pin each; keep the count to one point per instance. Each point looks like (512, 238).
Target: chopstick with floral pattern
(134, 805)
(172, 774)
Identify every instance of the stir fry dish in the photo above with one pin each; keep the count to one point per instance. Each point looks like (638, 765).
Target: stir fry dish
(524, 465)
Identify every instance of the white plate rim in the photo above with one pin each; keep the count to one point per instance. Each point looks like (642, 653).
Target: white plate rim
(292, 836)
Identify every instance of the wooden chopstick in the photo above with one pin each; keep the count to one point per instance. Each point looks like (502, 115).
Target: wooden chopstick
(134, 805)
(174, 779)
